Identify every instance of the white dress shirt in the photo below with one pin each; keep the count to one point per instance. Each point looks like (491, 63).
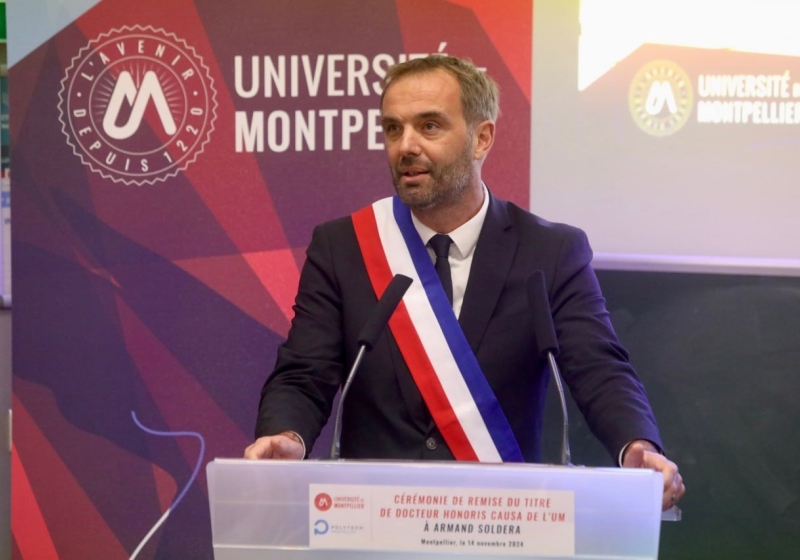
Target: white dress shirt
(465, 239)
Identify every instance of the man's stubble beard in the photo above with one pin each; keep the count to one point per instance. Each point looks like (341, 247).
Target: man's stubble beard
(446, 183)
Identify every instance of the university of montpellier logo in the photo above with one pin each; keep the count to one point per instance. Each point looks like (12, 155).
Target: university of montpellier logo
(323, 502)
(137, 105)
(660, 98)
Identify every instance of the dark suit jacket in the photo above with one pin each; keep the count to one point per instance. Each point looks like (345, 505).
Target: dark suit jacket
(385, 416)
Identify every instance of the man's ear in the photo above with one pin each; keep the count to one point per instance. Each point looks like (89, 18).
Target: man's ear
(483, 136)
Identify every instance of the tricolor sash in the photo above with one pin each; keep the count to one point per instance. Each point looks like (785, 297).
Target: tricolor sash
(430, 339)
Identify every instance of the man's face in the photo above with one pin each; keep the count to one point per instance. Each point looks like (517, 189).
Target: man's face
(429, 144)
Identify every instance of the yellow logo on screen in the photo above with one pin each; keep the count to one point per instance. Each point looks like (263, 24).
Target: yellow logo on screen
(661, 98)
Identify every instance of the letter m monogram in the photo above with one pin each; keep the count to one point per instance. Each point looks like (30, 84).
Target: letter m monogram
(125, 90)
(660, 94)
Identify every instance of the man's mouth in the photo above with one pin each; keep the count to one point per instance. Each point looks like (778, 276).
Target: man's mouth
(413, 172)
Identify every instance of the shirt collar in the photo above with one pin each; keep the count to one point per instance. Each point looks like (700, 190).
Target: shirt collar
(465, 236)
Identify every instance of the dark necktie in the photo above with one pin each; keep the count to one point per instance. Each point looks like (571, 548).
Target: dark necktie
(441, 248)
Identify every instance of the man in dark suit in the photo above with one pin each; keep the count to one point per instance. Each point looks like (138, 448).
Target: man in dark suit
(438, 118)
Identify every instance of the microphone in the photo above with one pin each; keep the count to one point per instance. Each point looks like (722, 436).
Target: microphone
(370, 333)
(545, 334)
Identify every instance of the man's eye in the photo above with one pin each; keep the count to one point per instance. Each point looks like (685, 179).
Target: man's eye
(430, 126)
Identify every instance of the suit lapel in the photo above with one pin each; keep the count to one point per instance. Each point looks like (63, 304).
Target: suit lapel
(491, 265)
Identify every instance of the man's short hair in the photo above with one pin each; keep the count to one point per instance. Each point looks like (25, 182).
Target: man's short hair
(480, 95)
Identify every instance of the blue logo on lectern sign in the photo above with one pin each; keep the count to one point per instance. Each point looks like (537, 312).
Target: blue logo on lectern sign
(320, 527)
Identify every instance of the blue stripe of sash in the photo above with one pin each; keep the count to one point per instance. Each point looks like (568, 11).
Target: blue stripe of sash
(493, 416)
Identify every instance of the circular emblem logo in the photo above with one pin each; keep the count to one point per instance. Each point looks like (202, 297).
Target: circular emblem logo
(323, 502)
(137, 105)
(661, 98)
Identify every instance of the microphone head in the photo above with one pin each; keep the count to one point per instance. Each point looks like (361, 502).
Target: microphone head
(388, 302)
(543, 329)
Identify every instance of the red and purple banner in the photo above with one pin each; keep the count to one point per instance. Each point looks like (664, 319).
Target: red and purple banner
(170, 159)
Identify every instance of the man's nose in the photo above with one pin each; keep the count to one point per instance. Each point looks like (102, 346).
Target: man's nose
(409, 142)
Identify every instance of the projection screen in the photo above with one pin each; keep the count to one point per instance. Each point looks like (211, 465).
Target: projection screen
(669, 130)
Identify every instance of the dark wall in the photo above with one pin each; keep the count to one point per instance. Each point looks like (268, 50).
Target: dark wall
(720, 357)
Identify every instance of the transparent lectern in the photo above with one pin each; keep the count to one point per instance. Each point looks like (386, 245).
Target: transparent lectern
(376, 510)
